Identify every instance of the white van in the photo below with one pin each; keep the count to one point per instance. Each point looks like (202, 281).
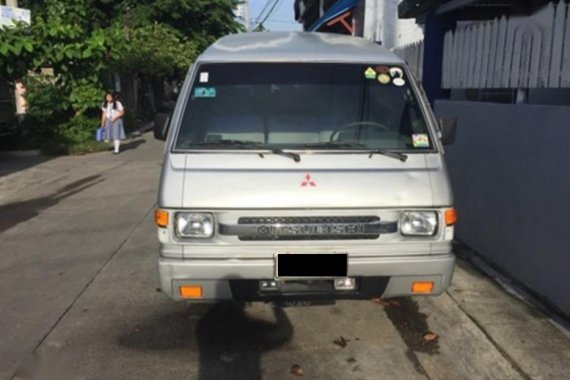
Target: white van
(303, 166)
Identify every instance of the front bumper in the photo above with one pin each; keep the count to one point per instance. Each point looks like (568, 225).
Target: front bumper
(221, 279)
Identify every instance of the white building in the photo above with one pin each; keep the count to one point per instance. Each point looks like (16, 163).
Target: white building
(381, 23)
(242, 13)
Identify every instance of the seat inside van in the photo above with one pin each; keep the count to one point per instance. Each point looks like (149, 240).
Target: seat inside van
(243, 127)
(293, 129)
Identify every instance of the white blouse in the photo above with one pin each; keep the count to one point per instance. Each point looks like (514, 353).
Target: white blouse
(110, 112)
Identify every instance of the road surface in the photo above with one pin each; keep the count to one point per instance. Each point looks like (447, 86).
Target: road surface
(79, 298)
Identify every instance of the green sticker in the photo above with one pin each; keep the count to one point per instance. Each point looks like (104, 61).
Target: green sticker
(205, 92)
(420, 140)
(370, 73)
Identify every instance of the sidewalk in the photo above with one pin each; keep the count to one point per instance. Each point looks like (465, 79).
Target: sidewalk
(61, 220)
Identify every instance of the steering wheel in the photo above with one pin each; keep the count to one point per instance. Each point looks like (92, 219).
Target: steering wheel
(367, 124)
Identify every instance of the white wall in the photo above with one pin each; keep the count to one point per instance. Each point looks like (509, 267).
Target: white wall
(518, 52)
(381, 23)
(242, 13)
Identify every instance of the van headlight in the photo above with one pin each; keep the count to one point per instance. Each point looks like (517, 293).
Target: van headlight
(418, 223)
(194, 225)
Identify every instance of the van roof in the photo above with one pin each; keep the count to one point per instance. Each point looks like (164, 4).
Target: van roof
(296, 47)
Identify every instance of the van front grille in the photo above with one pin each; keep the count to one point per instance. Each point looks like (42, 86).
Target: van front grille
(308, 220)
(308, 228)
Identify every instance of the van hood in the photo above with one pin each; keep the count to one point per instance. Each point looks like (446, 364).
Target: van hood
(249, 181)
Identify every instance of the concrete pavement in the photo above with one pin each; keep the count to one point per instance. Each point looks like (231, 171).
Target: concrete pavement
(78, 295)
(60, 222)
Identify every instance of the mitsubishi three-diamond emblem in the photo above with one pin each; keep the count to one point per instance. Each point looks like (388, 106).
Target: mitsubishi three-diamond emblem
(308, 181)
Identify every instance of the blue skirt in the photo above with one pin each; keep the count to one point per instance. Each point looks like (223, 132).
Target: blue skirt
(114, 131)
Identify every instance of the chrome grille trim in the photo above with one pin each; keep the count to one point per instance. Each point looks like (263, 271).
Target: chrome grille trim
(308, 228)
(308, 219)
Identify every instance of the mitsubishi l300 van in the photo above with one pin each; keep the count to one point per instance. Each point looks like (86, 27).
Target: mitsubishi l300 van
(303, 166)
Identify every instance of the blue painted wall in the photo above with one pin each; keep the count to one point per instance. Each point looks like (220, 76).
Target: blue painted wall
(510, 172)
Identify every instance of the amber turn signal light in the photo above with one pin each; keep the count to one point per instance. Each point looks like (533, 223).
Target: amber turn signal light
(191, 291)
(450, 217)
(161, 218)
(422, 287)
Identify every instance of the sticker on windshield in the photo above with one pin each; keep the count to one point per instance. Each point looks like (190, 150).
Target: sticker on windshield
(204, 92)
(397, 75)
(399, 82)
(382, 69)
(420, 140)
(370, 73)
(396, 72)
(204, 77)
(384, 78)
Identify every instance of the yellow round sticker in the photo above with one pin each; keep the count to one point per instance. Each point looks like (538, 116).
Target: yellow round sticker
(384, 78)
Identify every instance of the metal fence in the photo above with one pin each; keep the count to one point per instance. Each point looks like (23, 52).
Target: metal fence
(413, 54)
(517, 52)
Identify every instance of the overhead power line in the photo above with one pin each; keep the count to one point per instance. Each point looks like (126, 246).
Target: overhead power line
(282, 21)
(275, 4)
(265, 7)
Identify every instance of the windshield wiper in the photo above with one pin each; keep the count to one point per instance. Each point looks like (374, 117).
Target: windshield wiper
(229, 143)
(296, 157)
(397, 155)
(340, 145)
(248, 144)
(332, 144)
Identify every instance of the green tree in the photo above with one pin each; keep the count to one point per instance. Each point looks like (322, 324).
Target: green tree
(84, 38)
(59, 38)
(85, 41)
(155, 50)
(203, 21)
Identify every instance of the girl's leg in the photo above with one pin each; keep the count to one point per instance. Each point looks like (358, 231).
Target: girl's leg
(117, 144)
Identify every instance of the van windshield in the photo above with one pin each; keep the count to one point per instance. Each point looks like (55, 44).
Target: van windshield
(302, 106)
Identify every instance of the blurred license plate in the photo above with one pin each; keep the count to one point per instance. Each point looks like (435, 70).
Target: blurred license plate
(311, 265)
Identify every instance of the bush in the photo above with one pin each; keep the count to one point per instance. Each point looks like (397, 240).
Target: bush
(85, 96)
(56, 118)
(78, 129)
(75, 136)
(60, 148)
(88, 147)
(47, 104)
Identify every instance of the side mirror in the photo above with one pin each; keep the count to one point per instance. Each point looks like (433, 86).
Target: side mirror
(161, 124)
(448, 126)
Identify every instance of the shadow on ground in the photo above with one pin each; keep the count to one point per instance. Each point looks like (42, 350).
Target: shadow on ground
(11, 164)
(18, 212)
(229, 341)
(132, 145)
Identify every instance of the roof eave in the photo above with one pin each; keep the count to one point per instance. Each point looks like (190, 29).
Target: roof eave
(416, 8)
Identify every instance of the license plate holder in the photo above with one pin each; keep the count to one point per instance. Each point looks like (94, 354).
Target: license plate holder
(311, 265)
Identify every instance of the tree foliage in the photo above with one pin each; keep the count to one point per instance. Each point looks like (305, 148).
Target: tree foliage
(155, 50)
(45, 100)
(85, 41)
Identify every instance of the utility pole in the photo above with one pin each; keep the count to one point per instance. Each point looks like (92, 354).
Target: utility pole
(242, 13)
(380, 21)
(19, 88)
